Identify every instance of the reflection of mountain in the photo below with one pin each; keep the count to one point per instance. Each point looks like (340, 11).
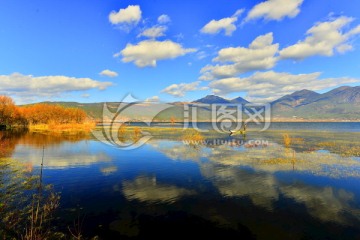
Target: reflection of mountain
(147, 189)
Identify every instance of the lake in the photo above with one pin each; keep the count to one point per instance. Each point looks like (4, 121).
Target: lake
(256, 186)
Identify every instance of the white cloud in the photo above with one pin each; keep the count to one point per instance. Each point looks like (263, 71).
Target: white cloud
(153, 99)
(226, 24)
(268, 86)
(275, 9)
(179, 90)
(323, 39)
(258, 56)
(85, 95)
(148, 52)
(163, 19)
(129, 15)
(108, 73)
(46, 86)
(201, 55)
(153, 32)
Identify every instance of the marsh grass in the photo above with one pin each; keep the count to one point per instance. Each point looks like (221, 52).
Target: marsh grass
(66, 128)
(26, 206)
(193, 137)
(287, 140)
(136, 134)
(342, 143)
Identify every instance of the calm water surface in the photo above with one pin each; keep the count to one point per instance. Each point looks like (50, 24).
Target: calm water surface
(252, 188)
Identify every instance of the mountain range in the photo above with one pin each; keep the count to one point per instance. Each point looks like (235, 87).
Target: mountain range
(342, 103)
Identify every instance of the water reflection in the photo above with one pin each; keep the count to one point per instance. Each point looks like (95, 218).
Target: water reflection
(8, 142)
(109, 170)
(60, 151)
(325, 203)
(61, 157)
(264, 188)
(147, 189)
(259, 187)
(270, 158)
(250, 172)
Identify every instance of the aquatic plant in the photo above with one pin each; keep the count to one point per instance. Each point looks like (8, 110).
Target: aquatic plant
(193, 137)
(27, 207)
(287, 140)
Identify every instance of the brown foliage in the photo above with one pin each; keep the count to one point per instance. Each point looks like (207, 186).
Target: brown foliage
(10, 114)
(47, 114)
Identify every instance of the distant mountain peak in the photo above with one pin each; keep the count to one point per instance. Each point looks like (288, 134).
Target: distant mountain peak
(212, 99)
(296, 99)
(304, 92)
(239, 100)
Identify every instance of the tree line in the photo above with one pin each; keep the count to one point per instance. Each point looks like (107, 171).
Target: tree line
(12, 115)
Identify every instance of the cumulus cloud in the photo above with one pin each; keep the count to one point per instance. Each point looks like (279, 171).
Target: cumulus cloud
(147, 53)
(154, 32)
(108, 73)
(275, 9)
(323, 39)
(179, 90)
(163, 19)
(226, 24)
(268, 86)
(130, 15)
(258, 56)
(46, 86)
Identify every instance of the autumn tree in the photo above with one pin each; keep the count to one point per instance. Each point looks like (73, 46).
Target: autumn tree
(55, 114)
(9, 113)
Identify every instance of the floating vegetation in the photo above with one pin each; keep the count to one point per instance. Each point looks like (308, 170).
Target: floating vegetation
(281, 161)
(343, 149)
(287, 140)
(193, 137)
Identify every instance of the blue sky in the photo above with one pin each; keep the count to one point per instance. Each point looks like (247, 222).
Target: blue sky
(98, 50)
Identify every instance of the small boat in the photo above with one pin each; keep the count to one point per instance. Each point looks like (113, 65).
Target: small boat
(238, 131)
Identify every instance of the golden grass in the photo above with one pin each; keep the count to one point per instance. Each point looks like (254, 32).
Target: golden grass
(345, 149)
(279, 161)
(136, 134)
(287, 140)
(68, 128)
(193, 137)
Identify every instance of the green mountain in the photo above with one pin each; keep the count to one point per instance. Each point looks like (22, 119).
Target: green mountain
(341, 103)
(213, 99)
